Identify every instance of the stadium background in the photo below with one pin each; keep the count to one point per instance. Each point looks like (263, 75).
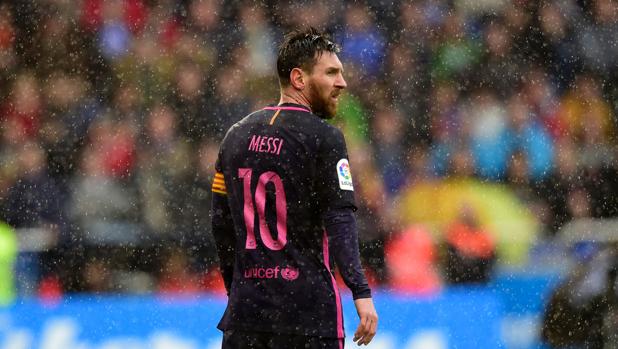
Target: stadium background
(496, 112)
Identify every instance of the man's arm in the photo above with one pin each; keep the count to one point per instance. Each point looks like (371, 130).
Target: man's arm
(337, 197)
(340, 227)
(223, 230)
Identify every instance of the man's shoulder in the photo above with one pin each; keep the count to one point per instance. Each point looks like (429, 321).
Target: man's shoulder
(309, 124)
(320, 126)
(329, 132)
(250, 118)
(331, 129)
(247, 120)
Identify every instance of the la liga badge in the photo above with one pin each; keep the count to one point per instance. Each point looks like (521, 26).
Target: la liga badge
(345, 175)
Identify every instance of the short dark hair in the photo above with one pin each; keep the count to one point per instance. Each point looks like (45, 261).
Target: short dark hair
(301, 49)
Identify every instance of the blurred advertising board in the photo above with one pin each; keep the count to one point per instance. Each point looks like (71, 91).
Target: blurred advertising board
(459, 319)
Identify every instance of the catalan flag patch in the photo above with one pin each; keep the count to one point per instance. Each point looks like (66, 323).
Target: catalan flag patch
(218, 184)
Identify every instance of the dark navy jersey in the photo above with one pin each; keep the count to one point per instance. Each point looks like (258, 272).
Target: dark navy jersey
(280, 172)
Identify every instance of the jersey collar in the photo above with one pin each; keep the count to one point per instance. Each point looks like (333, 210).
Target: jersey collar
(289, 106)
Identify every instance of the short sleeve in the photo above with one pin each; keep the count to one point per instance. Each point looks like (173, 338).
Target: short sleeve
(334, 175)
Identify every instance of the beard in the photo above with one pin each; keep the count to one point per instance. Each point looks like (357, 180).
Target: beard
(321, 105)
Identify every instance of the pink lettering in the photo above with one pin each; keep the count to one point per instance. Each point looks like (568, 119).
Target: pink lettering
(269, 142)
(248, 210)
(255, 141)
(269, 273)
(262, 143)
(287, 273)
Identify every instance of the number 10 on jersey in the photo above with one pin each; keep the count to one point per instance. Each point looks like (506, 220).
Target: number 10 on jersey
(260, 202)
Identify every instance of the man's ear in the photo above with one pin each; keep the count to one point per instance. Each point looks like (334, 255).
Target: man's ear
(298, 78)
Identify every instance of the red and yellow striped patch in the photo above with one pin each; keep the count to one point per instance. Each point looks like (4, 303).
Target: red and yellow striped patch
(218, 184)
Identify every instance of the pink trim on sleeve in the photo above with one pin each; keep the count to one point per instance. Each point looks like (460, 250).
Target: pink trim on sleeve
(340, 333)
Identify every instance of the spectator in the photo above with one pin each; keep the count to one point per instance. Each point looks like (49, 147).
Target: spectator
(363, 43)
(578, 203)
(449, 129)
(410, 81)
(388, 133)
(529, 135)
(456, 54)
(190, 101)
(97, 275)
(163, 177)
(259, 37)
(541, 96)
(103, 202)
(410, 257)
(203, 245)
(462, 163)
(558, 41)
(501, 68)
(8, 59)
(527, 190)
(230, 100)
(489, 130)
(582, 104)
(592, 38)
(12, 138)
(35, 202)
(206, 20)
(57, 45)
(71, 109)
(94, 14)
(519, 19)
(177, 277)
(417, 26)
(114, 36)
(555, 188)
(470, 250)
(24, 107)
(314, 13)
(418, 164)
(201, 198)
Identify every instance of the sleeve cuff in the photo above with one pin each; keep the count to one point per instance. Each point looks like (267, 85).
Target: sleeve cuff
(365, 293)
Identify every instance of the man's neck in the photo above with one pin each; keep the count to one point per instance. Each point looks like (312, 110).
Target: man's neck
(295, 97)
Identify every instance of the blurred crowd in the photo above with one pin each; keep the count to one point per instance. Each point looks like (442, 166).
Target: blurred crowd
(111, 113)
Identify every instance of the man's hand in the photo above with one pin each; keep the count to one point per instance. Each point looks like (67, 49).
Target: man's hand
(368, 321)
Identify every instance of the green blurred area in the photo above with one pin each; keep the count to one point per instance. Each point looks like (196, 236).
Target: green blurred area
(8, 255)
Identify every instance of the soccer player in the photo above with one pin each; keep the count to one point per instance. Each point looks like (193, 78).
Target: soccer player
(283, 197)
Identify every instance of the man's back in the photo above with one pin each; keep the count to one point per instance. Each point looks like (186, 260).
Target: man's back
(290, 196)
(283, 167)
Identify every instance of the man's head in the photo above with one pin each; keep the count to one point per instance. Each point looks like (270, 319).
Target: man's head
(309, 68)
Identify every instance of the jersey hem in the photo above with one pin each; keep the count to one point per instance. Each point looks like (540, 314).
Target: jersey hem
(279, 329)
